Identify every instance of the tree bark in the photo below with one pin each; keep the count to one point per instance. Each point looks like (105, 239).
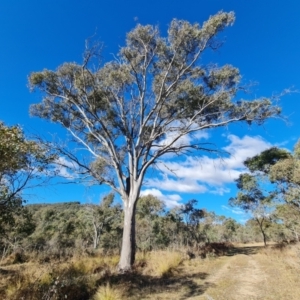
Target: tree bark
(97, 233)
(262, 231)
(128, 241)
(265, 238)
(96, 238)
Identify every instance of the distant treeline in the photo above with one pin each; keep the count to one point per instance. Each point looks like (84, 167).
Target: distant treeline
(71, 226)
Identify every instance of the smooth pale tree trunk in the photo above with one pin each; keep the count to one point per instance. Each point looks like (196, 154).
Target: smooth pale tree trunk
(96, 236)
(97, 233)
(128, 241)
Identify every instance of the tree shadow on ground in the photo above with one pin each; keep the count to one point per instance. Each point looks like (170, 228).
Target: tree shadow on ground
(139, 286)
(247, 250)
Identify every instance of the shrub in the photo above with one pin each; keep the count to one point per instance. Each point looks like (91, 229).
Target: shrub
(214, 249)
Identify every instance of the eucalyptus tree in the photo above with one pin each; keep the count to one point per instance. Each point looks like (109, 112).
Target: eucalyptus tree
(102, 218)
(192, 217)
(289, 218)
(253, 199)
(285, 173)
(256, 194)
(22, 165)
(150, 222)
(131, 111)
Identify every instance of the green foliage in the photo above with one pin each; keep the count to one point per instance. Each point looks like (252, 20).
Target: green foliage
(57, 229)
(297, 150)
(149, 206)
(57, 224)
(252, 196)
(151, 232)
(288, 218)
(13, 233)
(279, 170)
(282, 169)
(74, 226)
(22, 165)
(286, 175)
(192, 216)
(18, 153)
(263, 161)
(104, 222)
(60, 229)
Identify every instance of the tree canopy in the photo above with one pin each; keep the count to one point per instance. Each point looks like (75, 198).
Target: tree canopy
(22, 160)
(282, 169)
(130, 112)
(254, 199)
(273, 180)
(22, 164)
(156, 87)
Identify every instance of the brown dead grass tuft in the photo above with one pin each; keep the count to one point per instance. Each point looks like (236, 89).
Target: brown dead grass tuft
(162, 263)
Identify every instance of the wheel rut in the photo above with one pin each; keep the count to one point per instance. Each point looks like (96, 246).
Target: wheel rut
(240, 277)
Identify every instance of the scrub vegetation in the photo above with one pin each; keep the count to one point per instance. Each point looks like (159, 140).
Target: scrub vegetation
(181, 253)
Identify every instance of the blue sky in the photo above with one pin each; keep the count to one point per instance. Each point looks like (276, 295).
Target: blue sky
(263, 43)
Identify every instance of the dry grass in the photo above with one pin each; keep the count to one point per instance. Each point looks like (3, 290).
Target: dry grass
(108, 293)
(87, 265)
(156, 274)
(163, 263)
(283, 267)
(76, 278)
(160, 275)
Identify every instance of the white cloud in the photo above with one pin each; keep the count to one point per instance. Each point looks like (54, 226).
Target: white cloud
(236, 211)
(205, 174)
(64, 167)
(181, 185)
(170, 200)
(220, 191)
(64, 162)
(243, 217)
(200, 135)
(187, 139)
(242, 148)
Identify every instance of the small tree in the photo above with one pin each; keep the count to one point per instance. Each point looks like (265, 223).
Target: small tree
(253, 197)
(289, 218)
(22, 164)
(149, 221)
(285, 174)
(191, 218)
(13, 233)
(102, 217)
(132, 111)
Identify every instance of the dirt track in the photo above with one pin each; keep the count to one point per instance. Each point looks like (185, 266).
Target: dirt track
(252, 273)
(241, 278)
